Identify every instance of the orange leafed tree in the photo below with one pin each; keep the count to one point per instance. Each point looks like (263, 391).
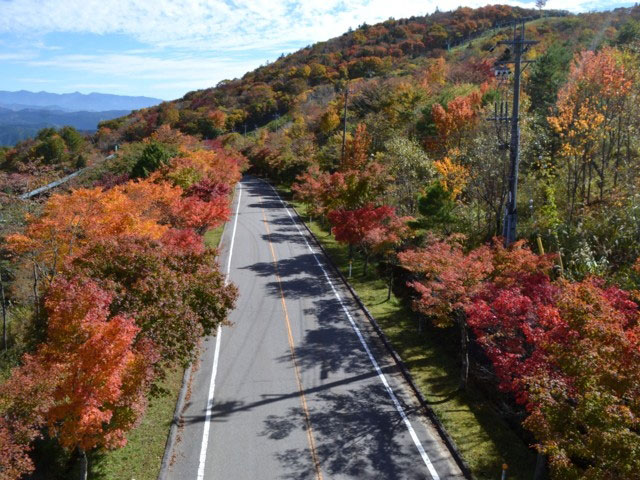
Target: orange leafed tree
(357, 151)
(70, 221)
(461, 114)
(104, 373)
(454, 175)
(360, 180)
(216, 164)
(87, 382)
(593, 120)
(435, 76)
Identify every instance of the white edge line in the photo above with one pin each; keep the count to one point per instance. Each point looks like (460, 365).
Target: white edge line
(383, 379)
(216, 355)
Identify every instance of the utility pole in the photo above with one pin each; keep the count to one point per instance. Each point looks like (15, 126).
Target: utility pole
(4, 315)
(277, 118)
(344, 128)
(519, 45)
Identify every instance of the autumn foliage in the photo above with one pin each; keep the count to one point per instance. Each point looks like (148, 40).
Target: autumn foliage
(104, 373)
(568, 351)
(359, 179)
(554, 344)
(459, 116)
(371, 228)
(129, 289)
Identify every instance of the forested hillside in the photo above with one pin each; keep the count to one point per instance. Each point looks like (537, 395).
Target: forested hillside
(383, 136)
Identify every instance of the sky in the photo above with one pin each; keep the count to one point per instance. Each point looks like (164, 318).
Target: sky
(165, 48)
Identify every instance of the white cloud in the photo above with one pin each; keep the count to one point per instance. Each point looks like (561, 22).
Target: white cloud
(161, 76)
(147, 67)
(216, 25)
(189, 44)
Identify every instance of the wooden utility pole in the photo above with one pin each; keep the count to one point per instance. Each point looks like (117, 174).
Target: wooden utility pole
(344, 128)
(277, 118)
(4, 315)
(518, 46)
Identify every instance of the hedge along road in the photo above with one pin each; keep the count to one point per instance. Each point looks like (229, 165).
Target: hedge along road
(299, 386)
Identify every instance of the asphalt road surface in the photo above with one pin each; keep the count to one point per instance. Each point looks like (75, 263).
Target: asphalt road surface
(299, 386)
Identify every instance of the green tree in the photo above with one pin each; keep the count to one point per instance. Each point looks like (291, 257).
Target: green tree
(629, 33)
(411, 169)
(207, 128)
(548, 74)
(154, 156)
(72, 138)
(52, 150)
(436, 207)
(46, 133)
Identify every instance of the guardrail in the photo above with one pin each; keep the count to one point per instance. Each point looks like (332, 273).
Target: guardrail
(57, 183)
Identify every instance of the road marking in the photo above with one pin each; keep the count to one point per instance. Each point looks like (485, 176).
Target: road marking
(216, 355)
(383, 379)
(303, 399)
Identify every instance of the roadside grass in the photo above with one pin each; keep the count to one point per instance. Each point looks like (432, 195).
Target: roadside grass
(482, 436)
(141, 458)
(213, 236)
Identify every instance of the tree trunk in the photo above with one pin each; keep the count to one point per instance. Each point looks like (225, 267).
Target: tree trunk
(390, 284)
(574, 189)
(464, 352)
(604, 167)
(583, 183)
(539, 472)
(366, 264)
(36, 299)
(589, 183)
(4, 315)
(84, 465)
(618, 153)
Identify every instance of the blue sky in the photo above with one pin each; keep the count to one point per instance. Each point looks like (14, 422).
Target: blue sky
(165, 48)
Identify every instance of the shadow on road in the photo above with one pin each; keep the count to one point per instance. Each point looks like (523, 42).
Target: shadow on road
(357, 432)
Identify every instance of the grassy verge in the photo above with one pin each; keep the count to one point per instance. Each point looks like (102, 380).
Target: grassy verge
(482, 436)
(140, 459)
(213, 236)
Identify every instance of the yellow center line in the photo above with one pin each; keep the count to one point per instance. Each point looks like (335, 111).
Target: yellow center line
(303, 399)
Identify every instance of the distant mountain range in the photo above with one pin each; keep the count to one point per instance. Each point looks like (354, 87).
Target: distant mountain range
(23, 113)
(73, 102)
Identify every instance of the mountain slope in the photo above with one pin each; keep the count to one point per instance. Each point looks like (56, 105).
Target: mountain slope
(392, 49)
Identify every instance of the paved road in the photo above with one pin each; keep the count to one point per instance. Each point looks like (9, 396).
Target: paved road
(303, 388)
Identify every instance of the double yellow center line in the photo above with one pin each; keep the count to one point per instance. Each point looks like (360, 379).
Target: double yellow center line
(303, 399)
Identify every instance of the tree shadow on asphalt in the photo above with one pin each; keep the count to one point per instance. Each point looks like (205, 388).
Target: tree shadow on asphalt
(357, 433)
(223, 409)
(266, 203)
(285, 220)
(287, 267)
(307, 284)
(284, 235)
(331, 344)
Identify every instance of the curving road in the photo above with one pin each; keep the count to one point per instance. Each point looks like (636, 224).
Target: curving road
(299, 386)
